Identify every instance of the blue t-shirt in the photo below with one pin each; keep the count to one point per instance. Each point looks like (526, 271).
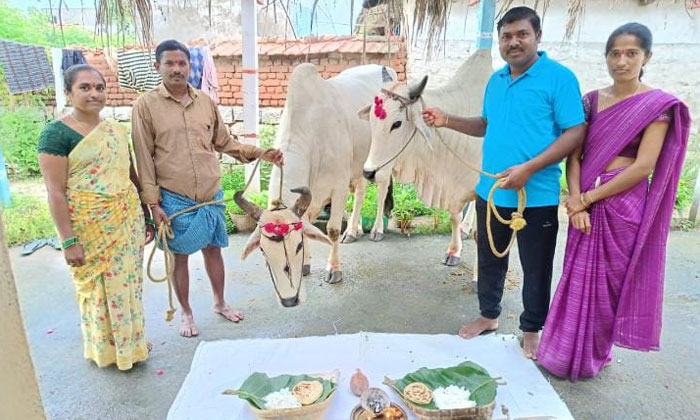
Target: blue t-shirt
(524, 117)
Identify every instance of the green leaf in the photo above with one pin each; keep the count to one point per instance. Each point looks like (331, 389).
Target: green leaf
(467, 375)
(259, 385)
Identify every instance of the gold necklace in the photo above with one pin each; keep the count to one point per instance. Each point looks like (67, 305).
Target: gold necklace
(82, 126)
(607, 96)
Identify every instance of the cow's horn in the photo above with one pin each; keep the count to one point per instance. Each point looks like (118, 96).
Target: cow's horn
(251, 209)
(386, 77)
(417, 90)
(302, 202)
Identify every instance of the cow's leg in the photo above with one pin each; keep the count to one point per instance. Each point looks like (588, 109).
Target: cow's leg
(334, 274)
(467, 226)
(454, 251)
(311, 214)
(377, 233)
(351, 232)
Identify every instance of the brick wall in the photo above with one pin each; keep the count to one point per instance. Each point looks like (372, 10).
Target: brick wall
(274, 73)
(277, 60)
(116, 96)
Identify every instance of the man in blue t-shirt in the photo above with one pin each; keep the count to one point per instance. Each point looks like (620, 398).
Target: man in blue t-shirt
(532, 118)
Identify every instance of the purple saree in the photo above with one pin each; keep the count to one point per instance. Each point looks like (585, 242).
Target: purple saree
(611, 290)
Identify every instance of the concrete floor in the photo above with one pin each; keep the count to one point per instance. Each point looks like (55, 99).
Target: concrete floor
(396, 286)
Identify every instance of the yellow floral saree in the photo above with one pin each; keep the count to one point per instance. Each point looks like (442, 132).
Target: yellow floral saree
(107, 218)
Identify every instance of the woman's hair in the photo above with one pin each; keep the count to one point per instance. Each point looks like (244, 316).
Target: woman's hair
(71, 74)
(639, 31)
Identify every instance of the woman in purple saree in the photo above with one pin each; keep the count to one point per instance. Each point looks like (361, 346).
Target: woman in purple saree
(611, 290)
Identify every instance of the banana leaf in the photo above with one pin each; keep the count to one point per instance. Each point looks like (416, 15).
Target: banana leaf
(467, 375)
(259, 385)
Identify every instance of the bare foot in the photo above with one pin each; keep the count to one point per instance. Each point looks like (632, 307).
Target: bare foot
(187, 326)
(228, 313)
(478, 327)
(531, 341)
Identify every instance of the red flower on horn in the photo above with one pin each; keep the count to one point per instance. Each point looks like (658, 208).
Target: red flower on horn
(379, 110)
(269, 227)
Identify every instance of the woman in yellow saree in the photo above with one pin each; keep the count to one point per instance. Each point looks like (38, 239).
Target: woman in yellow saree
(93, 197)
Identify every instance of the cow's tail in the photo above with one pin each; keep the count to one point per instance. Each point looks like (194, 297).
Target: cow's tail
(389, 200)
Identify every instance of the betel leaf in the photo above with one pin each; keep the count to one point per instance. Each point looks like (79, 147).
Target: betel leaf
(259, 385)
(467, 375)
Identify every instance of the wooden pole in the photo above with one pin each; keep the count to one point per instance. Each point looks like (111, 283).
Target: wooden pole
(19, 391)
(250, 83)
(486, 16)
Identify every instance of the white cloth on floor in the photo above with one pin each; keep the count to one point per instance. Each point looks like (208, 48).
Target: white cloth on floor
(225, 364)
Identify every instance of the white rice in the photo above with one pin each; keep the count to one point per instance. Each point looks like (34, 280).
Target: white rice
(284, 398)
(452, 397)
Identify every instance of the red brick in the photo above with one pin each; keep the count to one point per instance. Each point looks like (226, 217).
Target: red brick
(237, 95)
(279, 69)
(265, 102)
(335, 67)
(271, 83)
(225, 88)
(226, 94)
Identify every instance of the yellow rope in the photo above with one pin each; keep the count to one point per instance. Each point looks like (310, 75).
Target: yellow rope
(517, 221)
(165, 233)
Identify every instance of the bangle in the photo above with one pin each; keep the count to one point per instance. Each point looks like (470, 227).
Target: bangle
(584, 201)
(69, 242)
(150, 221)
(447, 120)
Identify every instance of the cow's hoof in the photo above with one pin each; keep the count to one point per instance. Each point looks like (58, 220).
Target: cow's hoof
(334, 277)
(376, 236)
(306, 269)
(348, 239)
(452, 260)
(464, 236)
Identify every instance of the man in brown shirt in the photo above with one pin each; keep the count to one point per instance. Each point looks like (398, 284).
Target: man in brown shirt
(177, 132)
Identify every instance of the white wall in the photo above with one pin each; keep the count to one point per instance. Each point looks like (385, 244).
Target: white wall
(668, 20)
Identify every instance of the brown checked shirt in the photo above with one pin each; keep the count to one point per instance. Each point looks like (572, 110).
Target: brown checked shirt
(176, 145)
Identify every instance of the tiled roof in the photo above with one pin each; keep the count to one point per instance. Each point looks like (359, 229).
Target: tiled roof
(321, 45)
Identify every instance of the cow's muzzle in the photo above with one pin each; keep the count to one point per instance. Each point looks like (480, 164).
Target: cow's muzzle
(290, 302)
(369, 175)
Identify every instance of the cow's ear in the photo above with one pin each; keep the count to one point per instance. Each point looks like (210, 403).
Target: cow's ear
(417, 116)
(314, 233)
(364, 113)
(252, 245)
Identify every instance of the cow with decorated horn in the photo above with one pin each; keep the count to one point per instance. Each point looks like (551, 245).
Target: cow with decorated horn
(280, 235)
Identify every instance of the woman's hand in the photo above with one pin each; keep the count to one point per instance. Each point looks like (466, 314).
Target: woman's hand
(574, 205)
(74, 255)
(582, 222)
(150, 233)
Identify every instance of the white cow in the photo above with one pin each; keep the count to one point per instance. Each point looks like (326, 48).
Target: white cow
(325, 146)
(404, 146)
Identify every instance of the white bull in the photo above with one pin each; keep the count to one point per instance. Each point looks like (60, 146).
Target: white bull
(404, 146)
(325, 146)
